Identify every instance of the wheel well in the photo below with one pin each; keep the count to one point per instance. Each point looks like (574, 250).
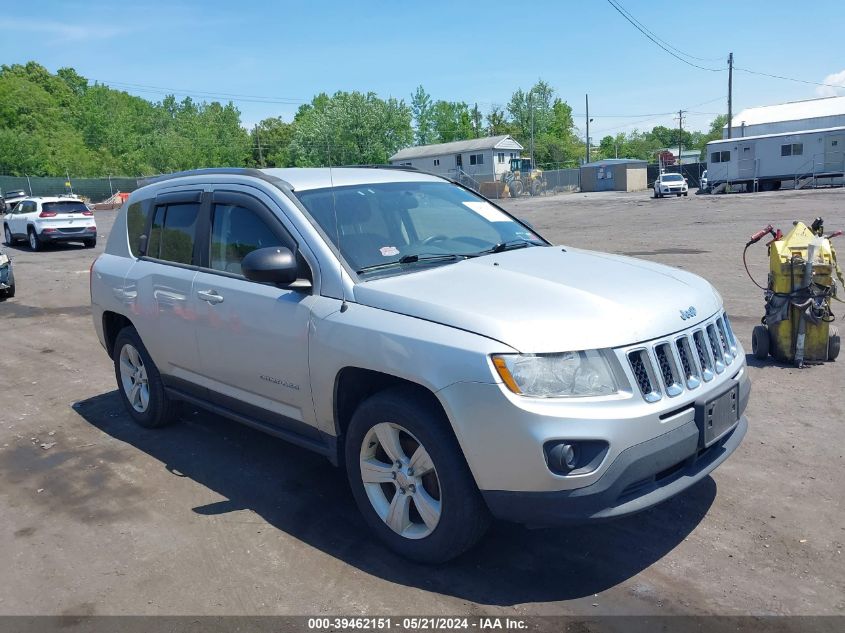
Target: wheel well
(353, 385)
(113, 323)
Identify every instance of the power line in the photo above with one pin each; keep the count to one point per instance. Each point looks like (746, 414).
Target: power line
(657, 41)
(680, 55)
(628, 14)
(801, 81)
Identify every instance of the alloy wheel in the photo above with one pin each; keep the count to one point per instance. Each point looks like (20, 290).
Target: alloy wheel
(400, 480)
(133, 378)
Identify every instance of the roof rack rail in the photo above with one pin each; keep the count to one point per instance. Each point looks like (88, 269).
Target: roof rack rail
(209, 171)
(377, 166)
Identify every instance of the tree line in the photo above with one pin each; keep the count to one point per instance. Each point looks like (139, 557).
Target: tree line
(57, 123)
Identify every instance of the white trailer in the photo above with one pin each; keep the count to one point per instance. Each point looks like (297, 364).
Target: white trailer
(762, 163)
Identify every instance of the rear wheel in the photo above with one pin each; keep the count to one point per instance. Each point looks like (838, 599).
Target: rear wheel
(760, 342)
(139, 382)
(34, 241)
(90, 243)
(410, 480)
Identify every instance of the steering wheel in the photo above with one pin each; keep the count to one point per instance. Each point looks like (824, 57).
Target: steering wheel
(434, 238)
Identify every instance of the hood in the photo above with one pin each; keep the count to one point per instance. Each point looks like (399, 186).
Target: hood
(547, 299)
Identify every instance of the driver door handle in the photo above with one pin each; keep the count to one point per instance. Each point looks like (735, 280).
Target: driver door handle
(210, 296)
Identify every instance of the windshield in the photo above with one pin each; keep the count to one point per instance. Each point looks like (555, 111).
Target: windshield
(65, 206)
(397, 223)
(672, 178)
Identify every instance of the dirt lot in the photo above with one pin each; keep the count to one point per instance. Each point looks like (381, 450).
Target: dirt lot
(98, 516)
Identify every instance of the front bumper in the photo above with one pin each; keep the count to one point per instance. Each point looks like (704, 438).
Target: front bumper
(654, 450)
(640, 477)
(7, 277)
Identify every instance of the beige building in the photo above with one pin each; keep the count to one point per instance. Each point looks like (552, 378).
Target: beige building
(614, 174)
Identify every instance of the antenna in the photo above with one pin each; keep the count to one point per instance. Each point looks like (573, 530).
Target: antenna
(343, 305)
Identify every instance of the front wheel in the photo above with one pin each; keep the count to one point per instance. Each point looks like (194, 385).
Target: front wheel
(833, 344)
(10, 240)
(139, 382)
(410, 480)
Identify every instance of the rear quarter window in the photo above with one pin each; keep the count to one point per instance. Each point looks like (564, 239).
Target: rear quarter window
(137, 216)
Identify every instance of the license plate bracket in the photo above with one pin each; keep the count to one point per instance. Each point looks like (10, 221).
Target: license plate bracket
(717, 416)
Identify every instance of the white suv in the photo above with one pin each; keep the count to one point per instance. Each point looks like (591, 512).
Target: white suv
(669, 184)
(41, 220)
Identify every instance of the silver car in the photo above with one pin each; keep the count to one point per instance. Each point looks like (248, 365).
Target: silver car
(455, 363)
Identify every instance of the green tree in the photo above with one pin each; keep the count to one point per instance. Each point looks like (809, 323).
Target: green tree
(273, 138)
(421, 110)
(452, 121)
(350, 128)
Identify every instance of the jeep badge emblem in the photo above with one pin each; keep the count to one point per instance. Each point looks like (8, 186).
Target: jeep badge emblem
(688, 313)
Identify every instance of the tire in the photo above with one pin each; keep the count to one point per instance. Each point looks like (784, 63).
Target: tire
(833, 344)
(657, 194)
(90, 243)
(760, 342)
(516, 188)
(11, 292)
(686, 193)
(34, 241)
(677, 195)
(10, 240)
(159, 409)
(410, 422)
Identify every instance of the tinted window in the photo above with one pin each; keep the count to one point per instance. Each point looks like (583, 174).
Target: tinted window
(136, 222)
(65, 206)
(173, 231)
(236, 232)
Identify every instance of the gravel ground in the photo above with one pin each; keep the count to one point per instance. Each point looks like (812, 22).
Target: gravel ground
(209, 517)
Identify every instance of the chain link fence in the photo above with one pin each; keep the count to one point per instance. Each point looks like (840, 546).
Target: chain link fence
(94, 189)
(691, 171)
(492, 186)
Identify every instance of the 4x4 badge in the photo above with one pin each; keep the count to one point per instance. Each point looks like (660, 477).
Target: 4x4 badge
(688, 313)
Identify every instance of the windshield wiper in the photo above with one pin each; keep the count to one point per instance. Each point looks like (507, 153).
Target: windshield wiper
(410, 259)
(504, 246)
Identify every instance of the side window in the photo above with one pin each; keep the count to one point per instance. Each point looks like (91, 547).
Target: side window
(173, 232)
(136, 223)
(236, 232)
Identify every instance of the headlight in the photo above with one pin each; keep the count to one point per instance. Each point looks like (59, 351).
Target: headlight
(566, 374)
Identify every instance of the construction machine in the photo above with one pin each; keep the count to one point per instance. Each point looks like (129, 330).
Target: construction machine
(524, 177)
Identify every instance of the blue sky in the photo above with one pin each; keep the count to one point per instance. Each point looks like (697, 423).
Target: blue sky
(282, 53)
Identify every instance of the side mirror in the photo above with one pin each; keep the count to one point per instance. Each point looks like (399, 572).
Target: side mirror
(275, 265)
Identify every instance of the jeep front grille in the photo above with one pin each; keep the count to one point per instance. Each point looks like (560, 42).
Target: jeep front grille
(644, 374)
(669, 367)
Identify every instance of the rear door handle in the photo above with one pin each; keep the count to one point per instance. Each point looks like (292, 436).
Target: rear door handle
(210, 296)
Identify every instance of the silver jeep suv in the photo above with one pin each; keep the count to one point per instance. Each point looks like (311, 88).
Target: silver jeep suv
(454, 362)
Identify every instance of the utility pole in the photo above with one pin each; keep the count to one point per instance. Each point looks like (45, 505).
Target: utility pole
(258, 141)
(587, 101)
(730, 93)
(531, 107)
(680, 134)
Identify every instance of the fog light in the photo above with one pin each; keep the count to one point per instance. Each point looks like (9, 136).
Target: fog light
(563, 457)
(574, 457)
